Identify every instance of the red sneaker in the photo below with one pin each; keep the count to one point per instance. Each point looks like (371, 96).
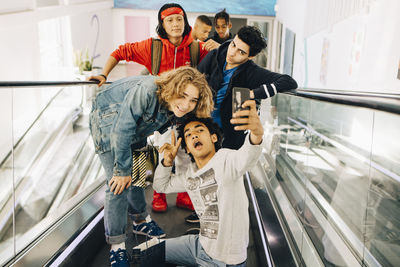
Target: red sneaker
(183, 201)
(159, 203)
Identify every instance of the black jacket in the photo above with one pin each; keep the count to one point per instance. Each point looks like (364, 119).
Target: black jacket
(216, 38)
(247, 75)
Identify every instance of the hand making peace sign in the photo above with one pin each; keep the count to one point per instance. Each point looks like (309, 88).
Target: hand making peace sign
(170, 150)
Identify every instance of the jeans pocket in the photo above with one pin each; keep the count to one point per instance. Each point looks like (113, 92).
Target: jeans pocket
(108, 116)
(101, 124)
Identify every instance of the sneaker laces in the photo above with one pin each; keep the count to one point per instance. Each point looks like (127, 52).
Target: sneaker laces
(155, 229)
(119, 255)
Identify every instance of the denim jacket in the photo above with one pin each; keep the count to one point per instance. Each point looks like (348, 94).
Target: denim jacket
(122, 116)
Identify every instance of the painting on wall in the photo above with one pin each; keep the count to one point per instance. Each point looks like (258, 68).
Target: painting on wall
(237, 7)
(356, 51)
(398, 71)
(288, 52)
(324, 61)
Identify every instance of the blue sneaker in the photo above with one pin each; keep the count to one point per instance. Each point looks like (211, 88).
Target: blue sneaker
(119, 258)
(149, 228)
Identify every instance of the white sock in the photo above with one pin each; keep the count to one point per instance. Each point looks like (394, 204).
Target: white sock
(150, 243)
(115, 247)
(147, 219)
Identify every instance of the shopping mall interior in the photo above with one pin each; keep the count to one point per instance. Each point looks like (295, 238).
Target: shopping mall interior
(325, 190)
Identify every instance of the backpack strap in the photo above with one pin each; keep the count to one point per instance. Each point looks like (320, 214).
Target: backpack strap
(156, 50)
(194, 48)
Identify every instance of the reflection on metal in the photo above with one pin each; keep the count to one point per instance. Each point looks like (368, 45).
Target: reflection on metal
(293, 221)
(340, 225)
(59, 228)
(321, 221)
(66, 253)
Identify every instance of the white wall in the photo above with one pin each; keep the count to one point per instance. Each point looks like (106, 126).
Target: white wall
(19, 37)
(377, 24)
(291, 13)
(22, 57)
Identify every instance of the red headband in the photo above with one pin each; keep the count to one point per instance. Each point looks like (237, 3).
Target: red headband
(170, 11)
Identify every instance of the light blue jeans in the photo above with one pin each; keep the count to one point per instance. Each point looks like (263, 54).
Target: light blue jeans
(186, 250)
(116, 207)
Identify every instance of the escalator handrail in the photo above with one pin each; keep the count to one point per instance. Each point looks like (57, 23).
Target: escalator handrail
(379, 101)
(45, 83)
(344, 92)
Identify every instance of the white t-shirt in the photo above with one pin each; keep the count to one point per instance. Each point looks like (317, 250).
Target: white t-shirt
(218, 195)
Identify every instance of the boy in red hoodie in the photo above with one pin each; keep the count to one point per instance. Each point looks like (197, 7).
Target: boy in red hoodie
(173, 30)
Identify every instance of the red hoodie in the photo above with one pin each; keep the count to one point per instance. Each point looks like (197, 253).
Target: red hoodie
(171, 57)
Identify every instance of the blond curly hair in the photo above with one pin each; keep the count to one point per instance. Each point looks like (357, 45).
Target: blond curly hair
(171, 84)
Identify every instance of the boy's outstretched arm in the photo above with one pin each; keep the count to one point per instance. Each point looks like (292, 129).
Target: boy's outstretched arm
(251, 121)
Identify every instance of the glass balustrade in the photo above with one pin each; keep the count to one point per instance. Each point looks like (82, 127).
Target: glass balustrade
(331, 170)
(47, 160)
(334, 173)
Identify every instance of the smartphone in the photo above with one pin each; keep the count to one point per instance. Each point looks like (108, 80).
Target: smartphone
(239, 96)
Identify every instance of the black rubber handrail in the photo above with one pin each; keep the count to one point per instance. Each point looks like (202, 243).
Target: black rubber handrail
(384, 102)
(45, 83)
(341, 92)
(379, 101)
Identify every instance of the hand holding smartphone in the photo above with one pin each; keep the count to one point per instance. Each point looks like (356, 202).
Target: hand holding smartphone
(239, 96)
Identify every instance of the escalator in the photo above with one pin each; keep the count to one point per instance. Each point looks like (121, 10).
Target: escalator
(48, 170)
(325, 193)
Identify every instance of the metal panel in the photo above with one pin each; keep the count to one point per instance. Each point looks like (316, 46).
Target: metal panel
(63, 226)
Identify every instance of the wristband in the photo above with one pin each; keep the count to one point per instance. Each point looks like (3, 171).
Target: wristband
(162, 163)
(105, 77)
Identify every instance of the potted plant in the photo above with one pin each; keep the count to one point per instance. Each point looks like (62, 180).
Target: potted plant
(84, 64)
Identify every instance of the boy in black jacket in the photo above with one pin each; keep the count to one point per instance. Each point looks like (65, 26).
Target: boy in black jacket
(231, 66)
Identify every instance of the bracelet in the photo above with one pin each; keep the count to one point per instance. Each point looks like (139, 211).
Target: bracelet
(105, 77)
